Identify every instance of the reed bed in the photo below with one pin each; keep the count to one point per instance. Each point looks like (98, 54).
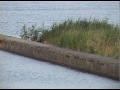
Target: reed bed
(91, 36)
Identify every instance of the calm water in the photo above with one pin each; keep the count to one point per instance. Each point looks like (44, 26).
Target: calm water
(14, 14)
(22, 72)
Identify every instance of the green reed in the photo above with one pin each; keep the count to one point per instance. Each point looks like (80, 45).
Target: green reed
(91, 36)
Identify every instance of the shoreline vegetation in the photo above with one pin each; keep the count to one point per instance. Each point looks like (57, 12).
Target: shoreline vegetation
(91, 36)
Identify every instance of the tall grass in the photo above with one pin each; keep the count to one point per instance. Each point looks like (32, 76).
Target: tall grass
(31, 33)
(92, 36)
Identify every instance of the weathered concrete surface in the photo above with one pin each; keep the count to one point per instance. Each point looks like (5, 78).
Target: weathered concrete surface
(82, 61)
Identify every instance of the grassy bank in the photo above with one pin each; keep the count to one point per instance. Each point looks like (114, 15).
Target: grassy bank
(98, 37)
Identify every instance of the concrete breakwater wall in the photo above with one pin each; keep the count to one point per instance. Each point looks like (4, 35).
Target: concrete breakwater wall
(82, 61)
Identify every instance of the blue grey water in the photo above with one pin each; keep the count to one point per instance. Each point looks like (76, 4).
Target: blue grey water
(22, 72)
(13, 15)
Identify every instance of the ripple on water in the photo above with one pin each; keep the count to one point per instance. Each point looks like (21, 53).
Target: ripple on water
(23, 72)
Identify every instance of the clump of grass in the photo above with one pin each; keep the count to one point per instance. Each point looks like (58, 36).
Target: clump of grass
(98, 37)
(92, 36)
(31, 33)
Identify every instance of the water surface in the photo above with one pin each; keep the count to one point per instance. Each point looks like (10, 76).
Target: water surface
(14, 14)
(22, 72)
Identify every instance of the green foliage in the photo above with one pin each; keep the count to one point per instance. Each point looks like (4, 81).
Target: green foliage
(92, 36)
(31, 33)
